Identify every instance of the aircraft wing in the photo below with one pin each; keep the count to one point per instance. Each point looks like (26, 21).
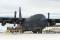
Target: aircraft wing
(10, 20)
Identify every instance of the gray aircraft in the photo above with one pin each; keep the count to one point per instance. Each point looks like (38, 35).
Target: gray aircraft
(35, 23)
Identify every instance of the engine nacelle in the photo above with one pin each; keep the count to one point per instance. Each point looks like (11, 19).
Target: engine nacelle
(52, 22)
(3, 23)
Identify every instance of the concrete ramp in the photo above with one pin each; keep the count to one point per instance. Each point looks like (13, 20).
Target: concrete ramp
(52, 29)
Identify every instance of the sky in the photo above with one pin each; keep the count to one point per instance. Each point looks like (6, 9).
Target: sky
(28, 8)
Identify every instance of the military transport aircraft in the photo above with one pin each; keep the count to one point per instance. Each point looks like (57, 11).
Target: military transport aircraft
(35, 23)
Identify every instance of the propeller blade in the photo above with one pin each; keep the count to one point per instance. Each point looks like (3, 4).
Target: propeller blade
(15, 14)
(15, 18)
(20, 16)
(48, 15)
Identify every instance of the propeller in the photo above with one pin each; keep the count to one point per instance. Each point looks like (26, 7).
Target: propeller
(15, 18)
(48, 15)
(20, 16)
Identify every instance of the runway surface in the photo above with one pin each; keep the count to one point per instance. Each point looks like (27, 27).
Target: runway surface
(4, 36)
(28, 35)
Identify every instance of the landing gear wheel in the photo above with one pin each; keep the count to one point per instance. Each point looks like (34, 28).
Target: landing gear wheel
(34, 31)
(23, 31)
(37, 31)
